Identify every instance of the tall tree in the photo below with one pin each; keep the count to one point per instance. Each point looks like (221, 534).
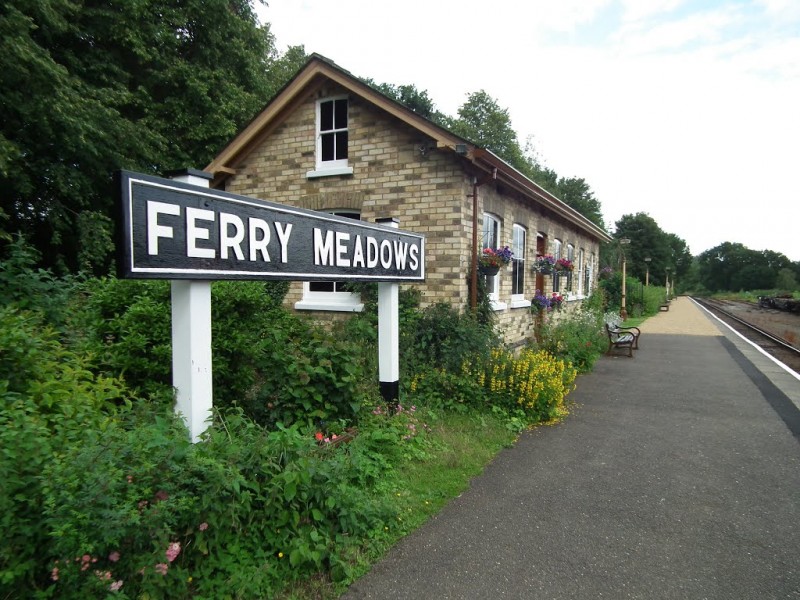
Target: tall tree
(91, 86)
(482, 121)
(576, 193)
(647, 240)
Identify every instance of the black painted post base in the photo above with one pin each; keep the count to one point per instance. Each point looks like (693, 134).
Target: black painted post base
(390, 391)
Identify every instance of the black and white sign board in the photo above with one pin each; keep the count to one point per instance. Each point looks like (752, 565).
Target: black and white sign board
(184, 231)
(173, 230)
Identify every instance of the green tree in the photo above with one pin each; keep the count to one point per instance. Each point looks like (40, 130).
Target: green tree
(411, 97)
(734, 267)
(576, 193)
(91, 86)
(482, 121)
(647, 240)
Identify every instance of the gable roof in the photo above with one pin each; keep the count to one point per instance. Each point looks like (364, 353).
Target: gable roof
(317, 71)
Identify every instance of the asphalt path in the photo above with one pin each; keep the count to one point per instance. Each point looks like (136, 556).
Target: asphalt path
(675, 477)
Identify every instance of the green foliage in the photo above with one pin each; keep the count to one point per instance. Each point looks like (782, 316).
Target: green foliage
(733, 267)
(91, 87)
(445, 338)
(309, 378)
(534, 382)
(29, 288)
(126, 324)
(578, 339)
(49, 398)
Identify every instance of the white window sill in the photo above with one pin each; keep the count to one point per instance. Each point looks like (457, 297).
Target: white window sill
(496, 306)
(329, 172)
(329, 305)
(520, 303)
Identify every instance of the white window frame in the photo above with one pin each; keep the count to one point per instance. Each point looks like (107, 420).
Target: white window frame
(325, 168)
(519, 234)
(570, 278)
(581, 267)
(490, 238)
(330, 301)
(556, 256)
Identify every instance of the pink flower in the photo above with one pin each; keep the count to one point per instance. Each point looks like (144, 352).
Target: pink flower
(114, 587)
(162, 568)
(130, 478)
(161, 495)
(173, 550)
(114, 556)
(54, 574)
(203, 526)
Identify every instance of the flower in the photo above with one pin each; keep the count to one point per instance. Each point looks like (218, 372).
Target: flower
(497, 257)
(540, 302)
(173, 550)
(54, 574)
(564, 264)
(556, 300)
(203, 526)
(318, 436)
(162, 568)
(544, 263)
(114, 556)
(114, 587)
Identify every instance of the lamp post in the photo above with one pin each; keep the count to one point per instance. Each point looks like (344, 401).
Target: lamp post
(668, 269)
(647, 273)
(623, 311)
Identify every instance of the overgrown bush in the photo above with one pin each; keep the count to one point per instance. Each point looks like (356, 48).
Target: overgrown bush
(30, 288)
(50, 398)
(445, 337)
(577, 338)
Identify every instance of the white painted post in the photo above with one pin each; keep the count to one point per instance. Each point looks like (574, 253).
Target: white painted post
(191, 339)
(389, 334)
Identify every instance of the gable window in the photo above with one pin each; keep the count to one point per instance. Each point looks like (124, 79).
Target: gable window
(490, 238)
(556, 256)
(331, 295)
(518, 242)
(332, 138)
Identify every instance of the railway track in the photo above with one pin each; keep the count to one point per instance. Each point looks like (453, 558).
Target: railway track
(778, 335)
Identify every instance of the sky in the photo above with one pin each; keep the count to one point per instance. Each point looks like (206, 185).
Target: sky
(687, 110)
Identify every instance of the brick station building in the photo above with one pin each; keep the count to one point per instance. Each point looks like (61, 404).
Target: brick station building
(329, 142)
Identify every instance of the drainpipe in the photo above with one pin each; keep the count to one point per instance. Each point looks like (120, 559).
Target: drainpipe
(473, 293)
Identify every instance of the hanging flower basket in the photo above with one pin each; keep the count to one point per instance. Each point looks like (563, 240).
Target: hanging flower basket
(544, 264)
(491, 259)
(564, 265)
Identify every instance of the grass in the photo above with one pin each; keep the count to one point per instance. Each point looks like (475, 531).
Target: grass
(461, 446)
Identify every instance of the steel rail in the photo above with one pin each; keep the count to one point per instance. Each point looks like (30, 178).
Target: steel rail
(712, 305)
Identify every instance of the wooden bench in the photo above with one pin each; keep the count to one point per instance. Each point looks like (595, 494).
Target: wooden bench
(622, 337)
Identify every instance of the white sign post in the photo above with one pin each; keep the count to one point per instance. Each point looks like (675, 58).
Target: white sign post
(389, 334)
(191, 341)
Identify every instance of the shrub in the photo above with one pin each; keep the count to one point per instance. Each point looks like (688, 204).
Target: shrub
(578, 338)
(28, 288)
(236, 515)
(535, 382)
(50, 398)
(126, 324)
(444, 338)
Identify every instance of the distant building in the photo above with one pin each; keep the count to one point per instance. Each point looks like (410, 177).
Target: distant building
(329, 142)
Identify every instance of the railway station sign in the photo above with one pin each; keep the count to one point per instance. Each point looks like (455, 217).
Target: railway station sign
(174, 230)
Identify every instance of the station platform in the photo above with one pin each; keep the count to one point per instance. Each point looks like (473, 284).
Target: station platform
(676, 475)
